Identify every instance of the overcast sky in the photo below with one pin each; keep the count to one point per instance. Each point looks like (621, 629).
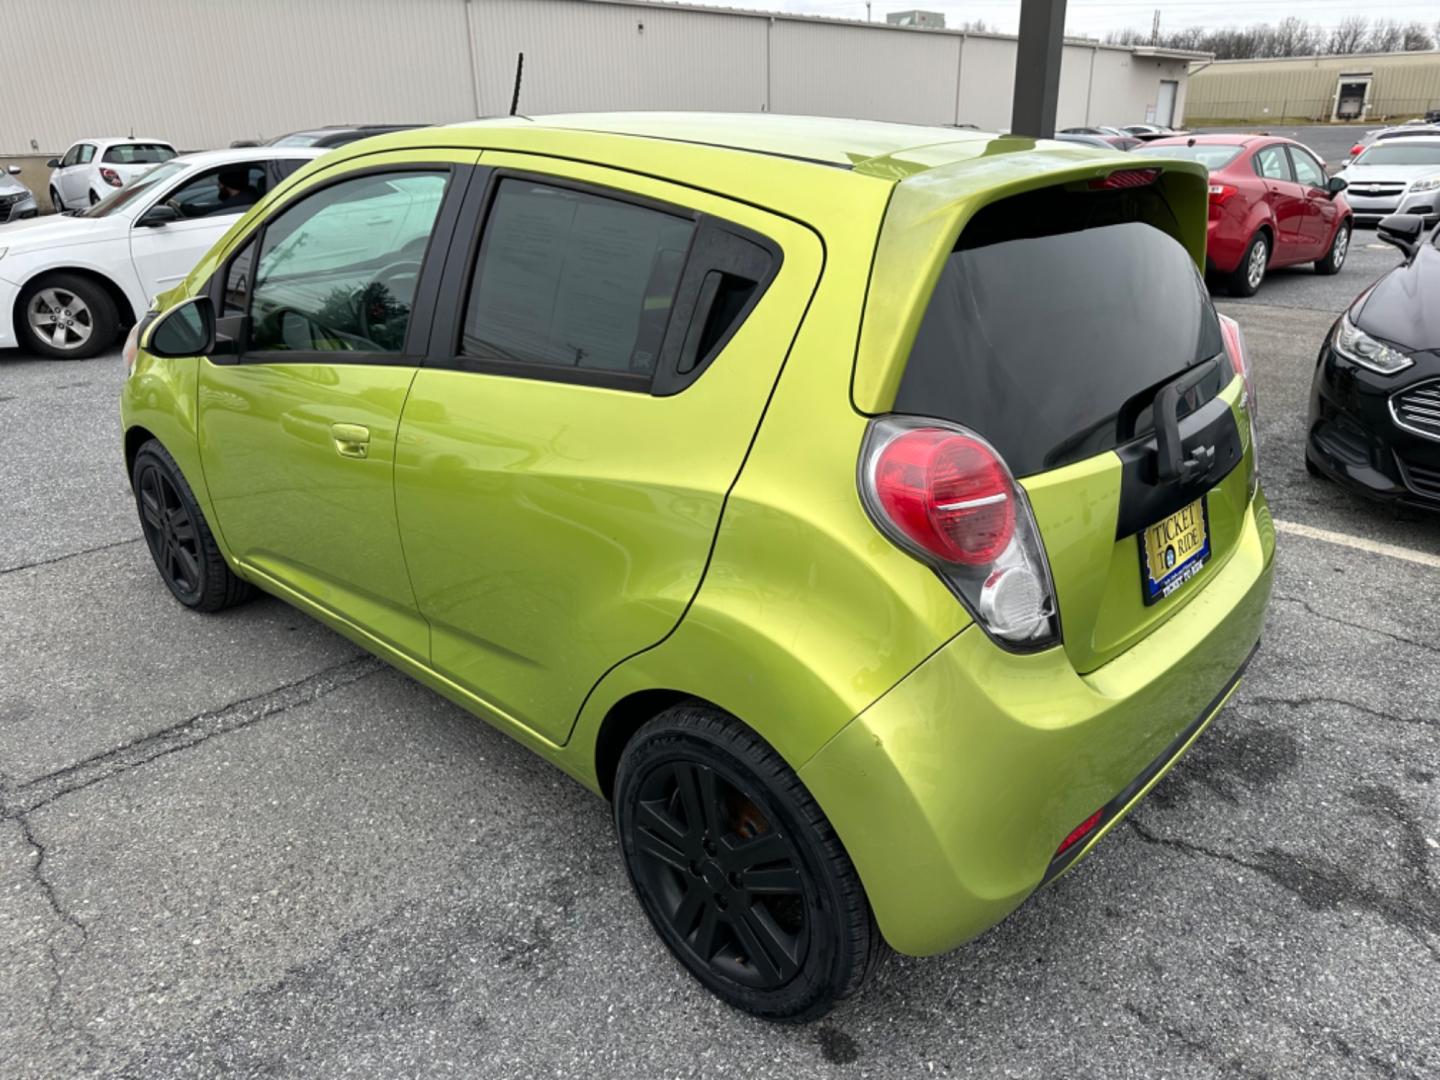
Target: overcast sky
(1095, 17)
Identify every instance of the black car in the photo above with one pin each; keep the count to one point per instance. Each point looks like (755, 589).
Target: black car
(330, 137)
(1375, 401)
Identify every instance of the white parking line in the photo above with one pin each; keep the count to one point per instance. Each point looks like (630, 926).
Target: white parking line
(1374, 547)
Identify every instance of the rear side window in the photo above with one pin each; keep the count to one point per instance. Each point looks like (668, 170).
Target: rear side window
(1272, 164)
(1052, 346)
(567, 279)
(139, 154)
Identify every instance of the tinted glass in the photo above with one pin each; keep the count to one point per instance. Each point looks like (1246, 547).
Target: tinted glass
(337, 271)
(300, 138)
(1272, 164)
(1040, 343)
(137, 191)
(231, 190)
(139, 154)
(87, 154)
(1212, 156)
(569, 279)
(1307, 169)
(1401, 153)
(71, 156)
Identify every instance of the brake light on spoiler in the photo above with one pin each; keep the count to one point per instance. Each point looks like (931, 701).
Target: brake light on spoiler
(1125, 178)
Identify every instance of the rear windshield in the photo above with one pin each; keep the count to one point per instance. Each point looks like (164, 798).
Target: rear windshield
(1052, 346)
(1401, 153)
(1213, 156)
(139, 154)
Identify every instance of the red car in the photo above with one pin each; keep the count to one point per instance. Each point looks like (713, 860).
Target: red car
(1271, 204)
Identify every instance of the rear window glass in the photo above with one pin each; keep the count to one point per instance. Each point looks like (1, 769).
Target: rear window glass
(1052, 346)
(139, 154)
(1213, 156)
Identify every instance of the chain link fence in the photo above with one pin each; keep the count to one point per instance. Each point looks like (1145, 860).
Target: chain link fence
(1314, 110)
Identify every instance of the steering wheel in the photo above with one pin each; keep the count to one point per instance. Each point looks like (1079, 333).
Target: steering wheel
(372, 299)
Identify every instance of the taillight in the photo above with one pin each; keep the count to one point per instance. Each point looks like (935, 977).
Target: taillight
(111, 177)
(1234, 339)
(1220, 194)
(1125, 178)
(942, 493)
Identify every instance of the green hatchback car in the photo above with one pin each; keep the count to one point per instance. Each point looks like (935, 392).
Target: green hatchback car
(869, 512)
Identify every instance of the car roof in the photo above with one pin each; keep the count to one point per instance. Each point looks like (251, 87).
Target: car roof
(1217, 140)
(119, 140)
(248, 153)
(1428, 137)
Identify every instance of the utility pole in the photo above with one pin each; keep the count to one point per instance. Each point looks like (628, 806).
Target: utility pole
(1155, 29)
(1037, 67)
(867, 10)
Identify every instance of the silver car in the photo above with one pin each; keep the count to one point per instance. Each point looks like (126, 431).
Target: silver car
(1397, 176)
(16, 200)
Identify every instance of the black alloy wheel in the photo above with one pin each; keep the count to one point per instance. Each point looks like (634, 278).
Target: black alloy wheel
(738, 869)
(185, 553)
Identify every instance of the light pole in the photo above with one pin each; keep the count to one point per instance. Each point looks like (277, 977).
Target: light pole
(1037, 67)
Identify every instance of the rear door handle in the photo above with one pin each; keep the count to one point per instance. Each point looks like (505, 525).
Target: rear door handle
(351, 440)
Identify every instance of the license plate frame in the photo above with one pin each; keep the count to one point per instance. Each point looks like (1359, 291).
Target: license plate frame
(1185, 559)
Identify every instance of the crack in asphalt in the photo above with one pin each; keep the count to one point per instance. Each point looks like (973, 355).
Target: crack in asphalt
(30, 796)
(1308, 702)
(69, 555)
(1401, 638)
(1322, 886)
(1204, 1048)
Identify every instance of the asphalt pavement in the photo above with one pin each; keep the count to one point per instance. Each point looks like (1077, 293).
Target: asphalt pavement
(236, 846)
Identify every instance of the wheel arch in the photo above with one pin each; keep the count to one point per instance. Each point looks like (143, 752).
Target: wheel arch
(136, 436)
(123, 305)
(622, 720)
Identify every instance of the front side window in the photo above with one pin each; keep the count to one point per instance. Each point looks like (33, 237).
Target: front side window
(567, 279)
(71, 157)
(1307, 169)
(139, 154)
(237, 282)
(1271, 163)
(87, 154)
(229, 190)
(337, 271)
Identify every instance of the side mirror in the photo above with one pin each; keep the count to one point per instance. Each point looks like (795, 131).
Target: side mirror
(1403, 231)
(186, 330)
(1335, 185)
(13, 170)
(53, 163)
(158, 215)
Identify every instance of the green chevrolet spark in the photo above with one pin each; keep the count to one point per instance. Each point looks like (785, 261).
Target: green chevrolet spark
(868, 512)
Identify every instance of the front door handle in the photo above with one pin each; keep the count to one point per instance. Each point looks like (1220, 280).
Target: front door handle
(351, 440)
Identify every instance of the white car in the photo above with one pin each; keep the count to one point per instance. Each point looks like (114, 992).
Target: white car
(16, 200)
(1397, 176)
(93, 168)
(68, 284)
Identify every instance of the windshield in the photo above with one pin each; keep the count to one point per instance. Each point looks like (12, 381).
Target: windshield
(300, 138)
(1212, 156)
(139, 154)
(1410, 153)
(133, 190)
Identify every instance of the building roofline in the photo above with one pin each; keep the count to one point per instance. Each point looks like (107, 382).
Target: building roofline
(1418, 53)
(1146, 51)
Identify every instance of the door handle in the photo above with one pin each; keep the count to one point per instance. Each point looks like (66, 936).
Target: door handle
(351, 440)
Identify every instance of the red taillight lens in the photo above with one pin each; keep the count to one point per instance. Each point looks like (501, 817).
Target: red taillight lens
(1222, 193)
(1234, 340)
(1125, 178)
(948, 493)
(111, 177)
(1084, 829)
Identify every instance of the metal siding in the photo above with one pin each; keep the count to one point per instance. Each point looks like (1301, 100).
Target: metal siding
(851, 71)
(583, 57)
(987, 83)
(201, 73)
(1403, 85)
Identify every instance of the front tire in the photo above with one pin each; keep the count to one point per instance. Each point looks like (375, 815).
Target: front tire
(1246, 278)
(738, 869)
(1339, 248)
(93, 197)
(56, 202)
(67, 317)
(179, 538)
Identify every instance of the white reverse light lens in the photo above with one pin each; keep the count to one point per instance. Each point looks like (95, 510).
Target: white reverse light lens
(1013, 604)
(1354, 344)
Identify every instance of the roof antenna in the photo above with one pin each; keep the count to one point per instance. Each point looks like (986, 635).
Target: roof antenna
(519, 70)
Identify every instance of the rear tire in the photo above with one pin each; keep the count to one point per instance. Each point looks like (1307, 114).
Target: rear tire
(1339, 248)
(737, 868)
(1246, 278)
(179, 538)
(66, 317)
(1314, 470)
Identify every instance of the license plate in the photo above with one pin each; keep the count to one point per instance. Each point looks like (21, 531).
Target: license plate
(1173, 551)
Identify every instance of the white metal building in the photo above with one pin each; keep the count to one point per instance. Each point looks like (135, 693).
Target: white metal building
(205, 72)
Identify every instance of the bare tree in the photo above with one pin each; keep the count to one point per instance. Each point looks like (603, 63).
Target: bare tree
(1416, 37)
(1350, 36)
(1385, 36)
